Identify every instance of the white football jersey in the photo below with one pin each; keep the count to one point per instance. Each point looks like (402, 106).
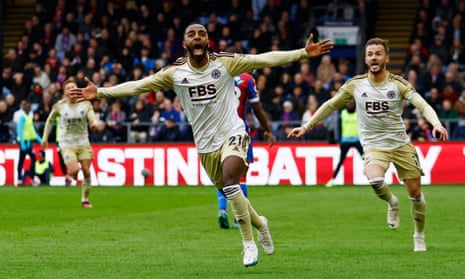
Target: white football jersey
(72, 122)
(379, 109)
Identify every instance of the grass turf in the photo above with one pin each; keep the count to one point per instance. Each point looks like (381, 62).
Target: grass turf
(172, 232)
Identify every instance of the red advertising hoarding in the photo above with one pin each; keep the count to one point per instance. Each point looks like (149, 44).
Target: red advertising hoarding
(283, 164)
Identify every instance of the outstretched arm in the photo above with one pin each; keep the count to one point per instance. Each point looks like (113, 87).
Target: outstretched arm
(341, 98)
(428, 112)
(160, 80)
(247, 63)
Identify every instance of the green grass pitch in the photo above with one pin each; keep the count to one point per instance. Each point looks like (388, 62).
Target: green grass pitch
(172, 232)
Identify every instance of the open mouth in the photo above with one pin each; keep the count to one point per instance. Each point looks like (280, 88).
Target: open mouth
(374, 65)
(198, 49)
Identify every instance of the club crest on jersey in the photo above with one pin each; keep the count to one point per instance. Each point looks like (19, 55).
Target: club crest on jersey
(216, 74)
(391, 94)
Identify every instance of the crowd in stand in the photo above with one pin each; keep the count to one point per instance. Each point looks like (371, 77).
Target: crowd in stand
(119, 40)
(435, 64)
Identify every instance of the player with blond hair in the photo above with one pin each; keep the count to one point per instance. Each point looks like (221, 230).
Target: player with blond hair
(73, 136)
(378, 95)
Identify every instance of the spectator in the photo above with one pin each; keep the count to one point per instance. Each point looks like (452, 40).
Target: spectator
(87, 26)
(113, 12)
(299, 81)
(49, 36)
(448, 115)
(417, 48)
(325, 70)
(168, 111)
(41, 12)
(59, 14)
(140, 117)
(40, 77)
(434, 77)
(14, 61)
(64, 42)
(20, 89)
(40, 53)
(144, 60)
(45, 106)
(422, 131)
(5, 117)
(91, 67)
(417, 65)
(455, 86)
(440, 49)
(344, 69)
(298, 98)
(289, 116)
(457, 53)
(71, 21)
(169, 131)
(455, 32)
(434, 98)
(459, 132)
(97, 78)
(114, 120)
(101, 134)
(319, 132)
(449, 93)
(416, 80)
(52, 59)
(306, 72)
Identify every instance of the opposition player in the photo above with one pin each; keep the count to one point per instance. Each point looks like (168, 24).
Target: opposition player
(247, 93)
(73, 136)
(378, 95)
(349, 137)
(203, 82)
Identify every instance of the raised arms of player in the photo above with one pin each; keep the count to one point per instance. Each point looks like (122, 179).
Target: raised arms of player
(244, 63)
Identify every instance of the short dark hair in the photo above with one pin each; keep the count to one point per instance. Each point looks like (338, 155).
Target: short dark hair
(378, 41)
(193, 23)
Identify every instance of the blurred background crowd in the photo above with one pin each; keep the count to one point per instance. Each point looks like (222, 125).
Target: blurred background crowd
(113, 41)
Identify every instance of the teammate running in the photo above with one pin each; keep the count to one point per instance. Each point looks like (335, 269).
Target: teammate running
(378, 96)
(73, 136)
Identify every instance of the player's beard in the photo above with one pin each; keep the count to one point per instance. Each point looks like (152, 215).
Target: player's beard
(197, 57)
(380, 68)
